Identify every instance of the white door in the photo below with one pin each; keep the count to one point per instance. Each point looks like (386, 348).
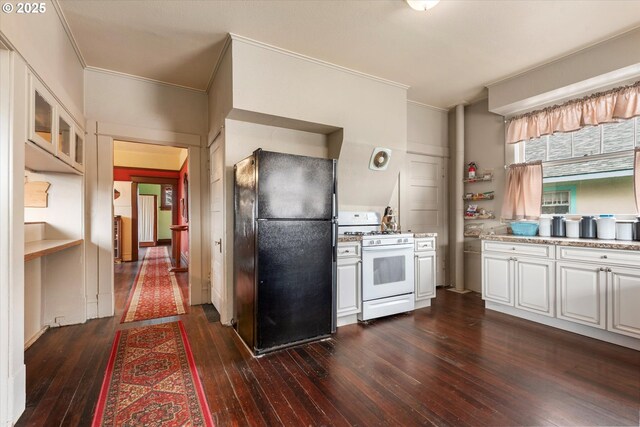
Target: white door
(624, 297)
(535, 285)
(146, 220)
(425, 275)
(424, 203)
(581, 293)
(348, 283)
(216, 183)
(497, 281)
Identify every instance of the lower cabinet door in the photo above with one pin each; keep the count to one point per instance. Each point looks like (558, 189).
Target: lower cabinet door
(497, 279)
(535, 285)
(348, 283)
(624, 301)
(425, 275)
(581, 293)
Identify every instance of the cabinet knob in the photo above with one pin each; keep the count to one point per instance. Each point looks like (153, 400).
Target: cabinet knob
(604, 257)
(609, 269)
(601, 269)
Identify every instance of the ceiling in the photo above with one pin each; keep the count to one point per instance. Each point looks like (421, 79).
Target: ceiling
(447, 55)
(135, 147)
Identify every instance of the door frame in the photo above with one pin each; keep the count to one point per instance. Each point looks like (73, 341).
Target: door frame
(135, 181)
(100, 188)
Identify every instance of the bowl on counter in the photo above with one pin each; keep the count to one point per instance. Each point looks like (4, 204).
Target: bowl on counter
(524, 228)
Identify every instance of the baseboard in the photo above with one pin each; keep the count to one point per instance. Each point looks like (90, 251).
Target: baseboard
(17, 388)
(423, 303)
(164, 241)
(347, 320)
(105, 305)
(92, 309)
(588, 331)
(34, 338)
(146, 244)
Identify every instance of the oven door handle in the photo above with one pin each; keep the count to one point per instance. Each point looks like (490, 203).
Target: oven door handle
(388, 247)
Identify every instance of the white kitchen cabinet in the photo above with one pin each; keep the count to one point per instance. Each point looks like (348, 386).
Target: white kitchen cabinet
(497, 278)
(349, 282)
(42, 116)
(78, 152)
(581, 294)
(425, 265)
(623, 301)
(65, 135)
(535, 285)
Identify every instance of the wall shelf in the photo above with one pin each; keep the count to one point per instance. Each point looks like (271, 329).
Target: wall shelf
(38, 159)
(40, 248)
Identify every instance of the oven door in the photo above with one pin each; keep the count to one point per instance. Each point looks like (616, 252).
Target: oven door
(387, 271)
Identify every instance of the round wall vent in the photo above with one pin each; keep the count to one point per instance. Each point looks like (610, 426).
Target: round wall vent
(380, 159)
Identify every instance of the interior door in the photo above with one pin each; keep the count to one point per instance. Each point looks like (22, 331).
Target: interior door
(216, 183)
(147, 226)
(424, 203)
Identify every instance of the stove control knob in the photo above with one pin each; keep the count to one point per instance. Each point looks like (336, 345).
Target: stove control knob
(406, 240)
(378, 242)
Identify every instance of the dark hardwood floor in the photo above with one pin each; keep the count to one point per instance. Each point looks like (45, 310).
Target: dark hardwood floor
(451, 364)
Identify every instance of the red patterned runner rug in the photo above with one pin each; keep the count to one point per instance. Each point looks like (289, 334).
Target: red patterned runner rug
(155, 291)
(151, 380)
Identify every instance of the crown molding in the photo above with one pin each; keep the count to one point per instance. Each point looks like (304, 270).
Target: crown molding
(223, 52)
(142, 79)
(431, 107)
(67, 29)
(246, 40)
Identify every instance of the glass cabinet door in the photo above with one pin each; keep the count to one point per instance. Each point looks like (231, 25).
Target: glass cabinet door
(79, 152)
(42, 121)
(64, 139)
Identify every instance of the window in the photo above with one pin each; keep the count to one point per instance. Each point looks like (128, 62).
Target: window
(166, 197)
(588, 171)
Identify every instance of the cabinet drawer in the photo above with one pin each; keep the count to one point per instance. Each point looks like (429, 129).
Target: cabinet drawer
(347, 250)
(428, 244)
(600, 256)
(546, 251)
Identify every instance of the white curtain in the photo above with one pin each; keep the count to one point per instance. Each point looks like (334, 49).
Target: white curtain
(146, 219)
(523, 191)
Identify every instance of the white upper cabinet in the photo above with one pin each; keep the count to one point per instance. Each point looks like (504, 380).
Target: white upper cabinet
(65, 135)
(54, 130)
(42, 116)
(78, 151)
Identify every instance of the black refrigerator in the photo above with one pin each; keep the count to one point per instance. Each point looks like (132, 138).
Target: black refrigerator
(284, 258)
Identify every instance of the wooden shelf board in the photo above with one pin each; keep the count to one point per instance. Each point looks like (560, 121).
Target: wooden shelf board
(40, 248)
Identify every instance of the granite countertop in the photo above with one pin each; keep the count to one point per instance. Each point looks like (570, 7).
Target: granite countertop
(344, 239)
(564, 241)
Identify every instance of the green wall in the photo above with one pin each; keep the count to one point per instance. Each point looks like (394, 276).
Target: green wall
(164, 217)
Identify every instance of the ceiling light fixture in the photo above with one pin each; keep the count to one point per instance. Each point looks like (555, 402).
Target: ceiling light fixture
(422, 5)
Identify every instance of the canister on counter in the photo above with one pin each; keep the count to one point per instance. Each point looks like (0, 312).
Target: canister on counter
(588, 227)
(558, 226)
(606, 227)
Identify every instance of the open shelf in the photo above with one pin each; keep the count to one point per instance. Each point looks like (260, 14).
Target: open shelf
(40, 248)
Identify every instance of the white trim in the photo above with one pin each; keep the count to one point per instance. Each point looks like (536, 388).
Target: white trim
(142, 79)
(223, 52)
(246, 40)
(431, 107)
(6, 204)
(149, 136)
(67, 29)
(427, 149)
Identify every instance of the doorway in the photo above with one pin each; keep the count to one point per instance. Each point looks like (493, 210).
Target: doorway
(151, 200)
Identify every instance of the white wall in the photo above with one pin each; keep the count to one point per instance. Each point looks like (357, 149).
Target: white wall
(617, 59)
(122, 207)
(137, 110)
(44, 44)
(372, 113)
(125, 100)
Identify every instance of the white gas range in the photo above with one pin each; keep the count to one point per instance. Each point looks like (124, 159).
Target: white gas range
(387, 265)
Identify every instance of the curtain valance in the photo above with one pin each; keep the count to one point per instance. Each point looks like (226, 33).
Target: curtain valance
(619, 103)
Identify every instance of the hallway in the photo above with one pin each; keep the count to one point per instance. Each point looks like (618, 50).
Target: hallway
(451, 364)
